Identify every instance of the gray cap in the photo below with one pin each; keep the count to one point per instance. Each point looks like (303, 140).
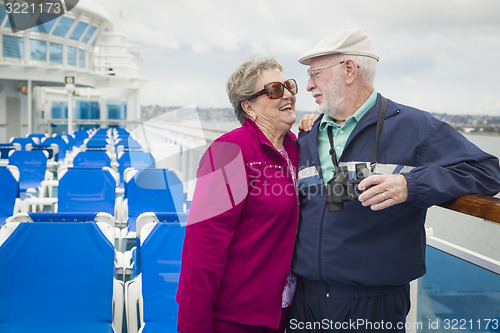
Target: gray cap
(352, 41)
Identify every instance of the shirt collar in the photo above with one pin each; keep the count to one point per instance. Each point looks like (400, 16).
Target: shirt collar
(356, 117)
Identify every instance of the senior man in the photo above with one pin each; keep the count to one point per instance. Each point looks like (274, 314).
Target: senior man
(354, 257)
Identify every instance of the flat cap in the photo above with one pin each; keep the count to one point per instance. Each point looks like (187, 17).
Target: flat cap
(351, 41)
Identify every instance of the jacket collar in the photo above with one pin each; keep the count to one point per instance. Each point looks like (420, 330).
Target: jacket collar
(371, 117)
(288, 139)
(368, 119)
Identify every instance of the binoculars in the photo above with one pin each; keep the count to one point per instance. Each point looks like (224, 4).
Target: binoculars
(341, 188)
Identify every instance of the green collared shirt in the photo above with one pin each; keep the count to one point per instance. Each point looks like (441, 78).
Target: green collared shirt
(340, 136)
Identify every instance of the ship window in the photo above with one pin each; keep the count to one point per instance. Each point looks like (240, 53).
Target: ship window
(59, 128)
(89, 34)
(81, 58)
(49, 20)
(63, 26)
(80, 28)
(87, 110)
(56, 53)
(71, 56)
(59, 110)
(13, 47)
(117, 110)
(38, 50)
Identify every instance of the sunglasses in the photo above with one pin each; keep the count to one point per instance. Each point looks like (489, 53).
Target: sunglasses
(275, 90)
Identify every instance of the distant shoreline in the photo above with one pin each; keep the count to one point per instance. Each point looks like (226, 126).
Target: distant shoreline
(480, 133)
(485, 125)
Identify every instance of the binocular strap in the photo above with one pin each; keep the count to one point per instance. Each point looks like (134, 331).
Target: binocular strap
(380, 123)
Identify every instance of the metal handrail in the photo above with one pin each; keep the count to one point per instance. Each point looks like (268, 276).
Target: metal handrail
(215, 130)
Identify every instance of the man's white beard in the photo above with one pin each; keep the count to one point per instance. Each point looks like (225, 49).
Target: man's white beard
(332, 100)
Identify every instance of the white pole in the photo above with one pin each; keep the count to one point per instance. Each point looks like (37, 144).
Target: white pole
(30, 109)
(70, 89)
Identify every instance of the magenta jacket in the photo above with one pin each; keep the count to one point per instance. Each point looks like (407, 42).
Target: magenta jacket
(240, 233)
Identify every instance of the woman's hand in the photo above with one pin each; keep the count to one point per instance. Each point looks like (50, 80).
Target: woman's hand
(307, 121)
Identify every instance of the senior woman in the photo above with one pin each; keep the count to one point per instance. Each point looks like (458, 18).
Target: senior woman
(243, 219)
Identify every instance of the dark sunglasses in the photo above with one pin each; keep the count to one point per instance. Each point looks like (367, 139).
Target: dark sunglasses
(275, 90)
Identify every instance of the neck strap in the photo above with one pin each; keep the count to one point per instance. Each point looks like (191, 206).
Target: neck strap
(332, 149)
(380, 123)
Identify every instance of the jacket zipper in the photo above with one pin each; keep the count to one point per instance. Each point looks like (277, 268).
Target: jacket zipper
(286, 164)
(327, 286)
(320, 243)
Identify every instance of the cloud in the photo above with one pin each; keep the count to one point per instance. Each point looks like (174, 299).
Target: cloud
(436, 55)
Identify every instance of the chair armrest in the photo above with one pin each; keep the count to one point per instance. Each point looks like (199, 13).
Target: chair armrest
(7, 229)
(133, 300)
(118, 304)
(128, 266)
(33, 201)
(119, 265)
(18, 206)
(47, 187)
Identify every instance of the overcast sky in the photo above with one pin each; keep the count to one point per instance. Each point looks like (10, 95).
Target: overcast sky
(437, 55)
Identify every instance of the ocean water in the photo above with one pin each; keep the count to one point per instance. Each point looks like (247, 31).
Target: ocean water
(488, 143)
(470, 232)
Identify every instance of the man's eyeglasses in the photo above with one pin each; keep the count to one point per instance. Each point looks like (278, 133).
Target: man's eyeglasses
(315, 72)
(275, 90)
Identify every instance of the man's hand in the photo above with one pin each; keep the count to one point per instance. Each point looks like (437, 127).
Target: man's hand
(307, 121)
(386, 191)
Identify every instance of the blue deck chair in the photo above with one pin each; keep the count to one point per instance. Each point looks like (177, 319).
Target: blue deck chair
(9, 191)
(92, 159)
(160, 254)
(67, 217)
(134, 159)
(128, 142)
(23, 142)
(56, 278)
(69, 139)
(5, 149)
(97, 143)
(52, 151)
(32, 166)
(86, 190)
(123, 144)
(61, 144)
(154, 190)
(151, 190)
(37, 137)
(102, 132)
(80, 137)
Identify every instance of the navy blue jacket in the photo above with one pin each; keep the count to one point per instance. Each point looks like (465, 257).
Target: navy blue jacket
(361, 247)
